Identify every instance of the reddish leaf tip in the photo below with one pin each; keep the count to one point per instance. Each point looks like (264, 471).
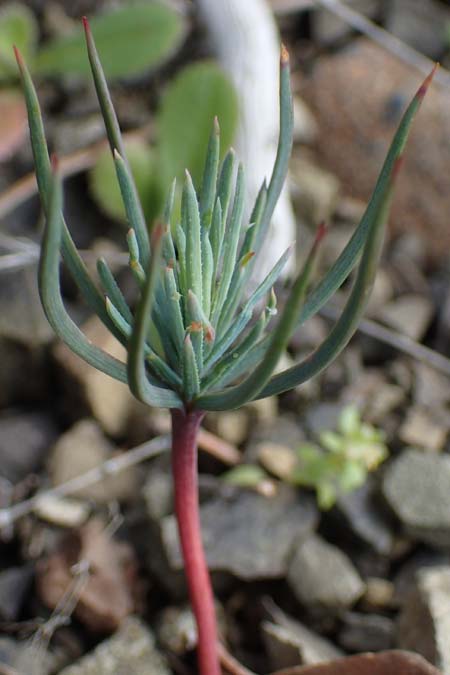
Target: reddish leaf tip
(86, 25)
(157, 234)
(284, 56)
(320, 233)
(19, 57)
(422, 90)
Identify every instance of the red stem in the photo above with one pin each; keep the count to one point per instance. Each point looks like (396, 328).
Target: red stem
(185, 426)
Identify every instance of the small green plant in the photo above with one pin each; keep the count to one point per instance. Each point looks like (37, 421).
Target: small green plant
(343, 460)
(191, 343)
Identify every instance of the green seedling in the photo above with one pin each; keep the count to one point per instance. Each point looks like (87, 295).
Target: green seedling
(343, 460)
(197, 339)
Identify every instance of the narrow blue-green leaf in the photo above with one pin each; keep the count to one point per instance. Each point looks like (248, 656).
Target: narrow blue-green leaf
(112, 289)
(175, 327)
(207, 272)
(70, 254)
(191, 225)
(243, 268)
(181, 251)
(281, 165)
(209, 183)
(50, 293)
(137, 375)
(349, 319)
(195, 327)
(339, 272)
(216, 233)
(233, 364)
(225, 182)
(133, 207)
(127, 185)
(250, 387)
(242, 320)
(191, 382)
(230, 247)
(159, 367)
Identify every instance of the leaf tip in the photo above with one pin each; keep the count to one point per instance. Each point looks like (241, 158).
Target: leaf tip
(86, 26)
(284, 56)
(320, 233)
(19, 57)
(422, 90)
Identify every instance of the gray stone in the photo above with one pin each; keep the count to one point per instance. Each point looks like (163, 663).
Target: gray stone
(416, 485)
(25, 439)
(284, 430)
(329, 28)
(424, 623)
(323, 417)
(131, 651)
(297, 644)
(358, 512)
(426, 428)
(409, 314)
(321, 575)
(366, 632)
(248, 535)
(420, 24)
(158, 493)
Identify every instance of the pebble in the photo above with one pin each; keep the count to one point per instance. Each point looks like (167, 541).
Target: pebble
(248, 535)
(15, 583)
(82, 448)
(131, 650)
(366, 632)
(426, 428)
(321, 575)
(416, 485)
(424, 623)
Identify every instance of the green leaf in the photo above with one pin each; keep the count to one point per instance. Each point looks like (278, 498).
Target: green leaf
(130, 40)
(105, 188)
(17, 27)
(245, 475)
(198, 94)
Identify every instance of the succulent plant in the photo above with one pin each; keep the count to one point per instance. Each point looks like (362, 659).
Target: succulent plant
(196, 341)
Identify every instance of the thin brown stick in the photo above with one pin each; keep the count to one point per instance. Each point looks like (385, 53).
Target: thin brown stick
(402, 343)
(111, 467)
(231, 665)
(367, 27)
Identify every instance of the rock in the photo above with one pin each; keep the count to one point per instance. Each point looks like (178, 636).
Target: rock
(109, 401)
(232, 425)
(25, 439)
(358, 511)
(177, 631)
(289, 642)
(381, 293)
(431, 388)
(394, 662)
(379, 593)
(278, 459)
(321, 575)
(62, 511)
(314, 191)
(409, 314)
(366, 632)
(290, 646)
(323, 417)
(424, 623)
(416, 486)
(131, 650)
(284, 430)
(106, 570)
(22, 318)
(419, 25)
(361, 123)
(15, 585)
(405, 580)
(82, 448)
(248, 535)
(24, 374)
(426, 428)
(71, 134)
(21, 657)
(375, 395)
